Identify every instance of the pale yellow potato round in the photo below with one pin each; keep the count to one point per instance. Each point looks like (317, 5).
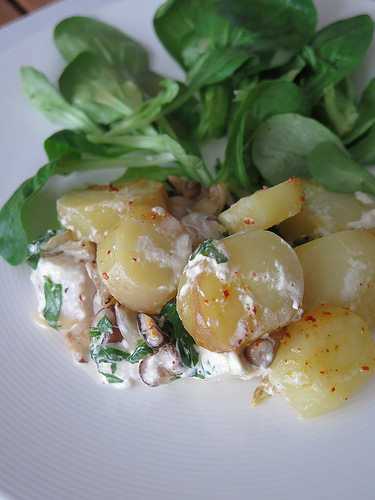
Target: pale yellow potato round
(258, 289)
(323, 359)
(325, 212)
(92, 212)
(141, 260)
(265, 208)
(339, 269)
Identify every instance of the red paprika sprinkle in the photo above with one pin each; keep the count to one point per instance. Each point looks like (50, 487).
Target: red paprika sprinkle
(310, 318)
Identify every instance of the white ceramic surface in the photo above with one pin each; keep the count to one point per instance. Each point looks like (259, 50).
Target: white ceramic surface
(64, 437)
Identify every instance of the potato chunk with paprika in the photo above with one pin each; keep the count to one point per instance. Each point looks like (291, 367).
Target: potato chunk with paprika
(323, 359)
(234, 290)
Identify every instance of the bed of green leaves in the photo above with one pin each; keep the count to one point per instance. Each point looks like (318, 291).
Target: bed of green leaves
(257, 71)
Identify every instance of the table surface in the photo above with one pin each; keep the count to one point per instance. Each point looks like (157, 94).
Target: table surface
(13, 9)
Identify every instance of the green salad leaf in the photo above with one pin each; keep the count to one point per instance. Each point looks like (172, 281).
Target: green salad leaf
(216, 104)
(333, 168)
(337, 50)
(147, 112)
(278, 28)
(192, 166)
(189, 30)
(44, 97)
(53, 302)
(256, 103)
(13, 235)
(94, 86)
(366, 118)
(78, 34)
(282, 144)
(340, 108)
(363, 150)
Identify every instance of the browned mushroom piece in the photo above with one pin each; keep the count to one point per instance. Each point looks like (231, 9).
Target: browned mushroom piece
(262, 352)
(179, 206)
(212, 200)
(65, 243)
(126, 321)
(162, 367)
(150, 331)
(202, 227)
(187, 189)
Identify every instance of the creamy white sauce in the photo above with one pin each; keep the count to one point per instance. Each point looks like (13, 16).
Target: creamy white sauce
(367, 221)
(355, 275)
(174, 259)
(217, 365)
(126, 371)
(77, 290)
(364, 198)
(287, 287)
(201, 264)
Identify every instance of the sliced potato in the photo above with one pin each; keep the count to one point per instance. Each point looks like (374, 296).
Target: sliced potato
(325, 213)
(234, 290)
(92, 212)
(142, 259)
(323, 359)
(339, 269)
(265, 208)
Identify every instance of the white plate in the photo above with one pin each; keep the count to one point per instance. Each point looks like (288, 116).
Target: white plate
(64, 437)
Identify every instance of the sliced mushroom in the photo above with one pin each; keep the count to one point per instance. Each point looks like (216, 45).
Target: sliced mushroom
(102, 297)
(212, 201)
(150, 331)
(64, 243)
(188, 189)
(126, 321)
(162, 367)
(202, 227)
(262, 352)
(179, 206)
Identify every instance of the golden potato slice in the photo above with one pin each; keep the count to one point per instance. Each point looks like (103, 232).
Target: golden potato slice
(142, 259)
(339, 269)
(265, 208)
(92, 212)
(325, 213)
(235, 290)
(323, 359)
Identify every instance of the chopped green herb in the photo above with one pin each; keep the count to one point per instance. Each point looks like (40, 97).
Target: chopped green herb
(112, 379)
(34, 248)
(108, 354)
(175, 329)
(209, 249)
(53, 302)
(141, 351)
